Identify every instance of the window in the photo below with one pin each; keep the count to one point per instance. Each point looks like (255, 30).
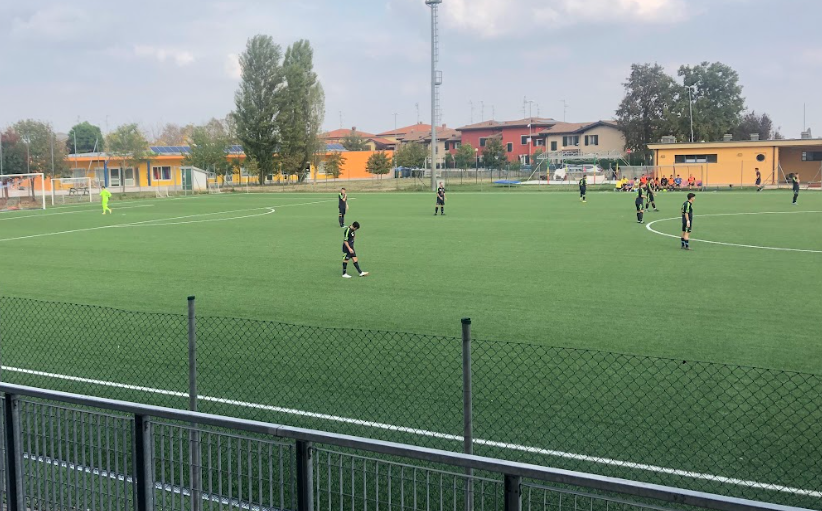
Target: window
(114, 176)
(591, 139)
(482, 141)
(695, 158)
(510, 147)
(760, 157)
(811, 156)
(455, 145)
(540, 142)
(446, 146)
(128, 177)
(523, 139)
(553, 145)
(78, 173)
(161, 173)
(570, 141)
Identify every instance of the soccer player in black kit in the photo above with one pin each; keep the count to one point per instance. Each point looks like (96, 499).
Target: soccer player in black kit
(687, 221)
(583, 188)
(795, 182)
(348, 251)
(649, 198)
(639, 202)
(343, 206)
(440, 200)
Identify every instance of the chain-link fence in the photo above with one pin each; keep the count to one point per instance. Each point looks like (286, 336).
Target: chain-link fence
(739, 431)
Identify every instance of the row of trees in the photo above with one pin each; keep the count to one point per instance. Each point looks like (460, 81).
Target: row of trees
(657, 105)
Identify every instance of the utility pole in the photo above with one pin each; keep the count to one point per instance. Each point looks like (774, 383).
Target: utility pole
(482, 111)
(417, 106)
(1, 152)
(340, 119)
(691, 110)
(395, 120)
(27, 141)
(530, 133)
(436, 80)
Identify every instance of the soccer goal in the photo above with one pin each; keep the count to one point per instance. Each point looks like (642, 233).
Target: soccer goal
(22, 191)
(162, 192)
(71, 190)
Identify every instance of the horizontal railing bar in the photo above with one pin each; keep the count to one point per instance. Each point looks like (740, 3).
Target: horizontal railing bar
(511, 468)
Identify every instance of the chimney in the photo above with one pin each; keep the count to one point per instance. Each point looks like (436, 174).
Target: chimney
(353, 128)
(806, 135)
(668, 140)
(754, 136)
(727, 137)
(444, 126)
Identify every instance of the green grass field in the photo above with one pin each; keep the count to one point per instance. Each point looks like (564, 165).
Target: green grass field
(533, 271)
(537, 268)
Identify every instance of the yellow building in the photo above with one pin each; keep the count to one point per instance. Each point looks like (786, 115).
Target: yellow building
(735, 162)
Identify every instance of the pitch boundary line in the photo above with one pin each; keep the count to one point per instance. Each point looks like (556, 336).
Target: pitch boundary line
(779, 249)
(69, 213)
(430, 434)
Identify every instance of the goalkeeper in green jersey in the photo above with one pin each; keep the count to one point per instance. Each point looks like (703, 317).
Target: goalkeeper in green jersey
(105, 195)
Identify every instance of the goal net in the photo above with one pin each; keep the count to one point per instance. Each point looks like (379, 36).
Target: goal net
(163, 192)
(22, 191)
(72, 190)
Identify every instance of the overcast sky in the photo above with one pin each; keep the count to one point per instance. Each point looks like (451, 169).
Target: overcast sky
(149, 61)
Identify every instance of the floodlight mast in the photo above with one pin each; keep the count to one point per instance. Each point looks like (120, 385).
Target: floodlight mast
(436, 80)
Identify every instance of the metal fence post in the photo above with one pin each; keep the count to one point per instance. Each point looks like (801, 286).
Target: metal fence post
(16, 500)
(143, 463)
(513, 493)
(305, 477)
(467, 408)
(194, 453)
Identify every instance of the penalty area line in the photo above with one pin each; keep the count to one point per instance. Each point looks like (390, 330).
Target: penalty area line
(430, 434)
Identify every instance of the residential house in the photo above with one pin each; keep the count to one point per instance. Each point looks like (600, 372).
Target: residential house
(580, 138)
(372, 142)
(518, 137)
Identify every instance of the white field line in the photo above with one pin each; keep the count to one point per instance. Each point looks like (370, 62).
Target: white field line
(432, 434)
(780, 249)
(70, 213)
(156, 224)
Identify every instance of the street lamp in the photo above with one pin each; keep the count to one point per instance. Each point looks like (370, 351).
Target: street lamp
(26, 140)
(476, 157)
(691, 109)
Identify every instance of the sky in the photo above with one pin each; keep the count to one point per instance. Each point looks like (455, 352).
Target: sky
(175, 61)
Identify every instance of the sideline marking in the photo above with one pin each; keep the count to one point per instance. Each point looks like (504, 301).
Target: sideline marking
(432, 434)
(70, 213)
(780, 249)
(153, 223)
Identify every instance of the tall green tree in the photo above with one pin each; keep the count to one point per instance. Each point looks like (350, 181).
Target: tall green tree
(302, 110)
(14, 152)
(128, 144)
(378, 164)
(646, 112)
(334, 164)
(88, 138)
(258, 103)
(717, 100)
(466, 157)
(354, 142)
(208, 150)
(494, 155)
(410, 155)
(44, 151)
(751, 123)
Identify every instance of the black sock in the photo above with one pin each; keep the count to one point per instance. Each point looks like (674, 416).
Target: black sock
(342, 220)
(638, 218)
(436, 210)
(442, 210)
(687, 243)
(357, 266)
(345, 268)
(681, 242)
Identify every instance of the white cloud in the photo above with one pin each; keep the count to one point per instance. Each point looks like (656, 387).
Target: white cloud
(180, 57)
(494, 18)
(55, 23)
(232, 66)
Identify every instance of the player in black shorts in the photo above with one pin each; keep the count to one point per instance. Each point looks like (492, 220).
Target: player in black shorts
(639, 202)
(348, 251)
(583, 187)
(440, 200)
(343, 206)
(687, 221)
(649, 198)
(795, 183)
(759, 186)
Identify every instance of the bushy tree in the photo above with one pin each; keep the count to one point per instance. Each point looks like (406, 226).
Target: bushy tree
(717, 100)
(494, 155)
(646, 113)
(209, 150)
(44, 151)
(378, 163)
(88, 138)
(173, 135)
(354, 142)
(334, 164)
(301, 110)
(257, 102)
(14, 152)
(127, 144)
(411, 155)
(466, 157)
(753, 123)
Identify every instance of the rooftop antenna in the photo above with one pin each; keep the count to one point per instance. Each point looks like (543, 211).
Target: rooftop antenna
(417, 105)
(472, 110)
(564, 109)
(804, 123)
(493, 112)
(340, 119)
(395, 120)
(482, 111)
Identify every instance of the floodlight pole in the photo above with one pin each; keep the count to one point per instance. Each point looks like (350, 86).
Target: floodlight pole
(691, 110)
(434, 4)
